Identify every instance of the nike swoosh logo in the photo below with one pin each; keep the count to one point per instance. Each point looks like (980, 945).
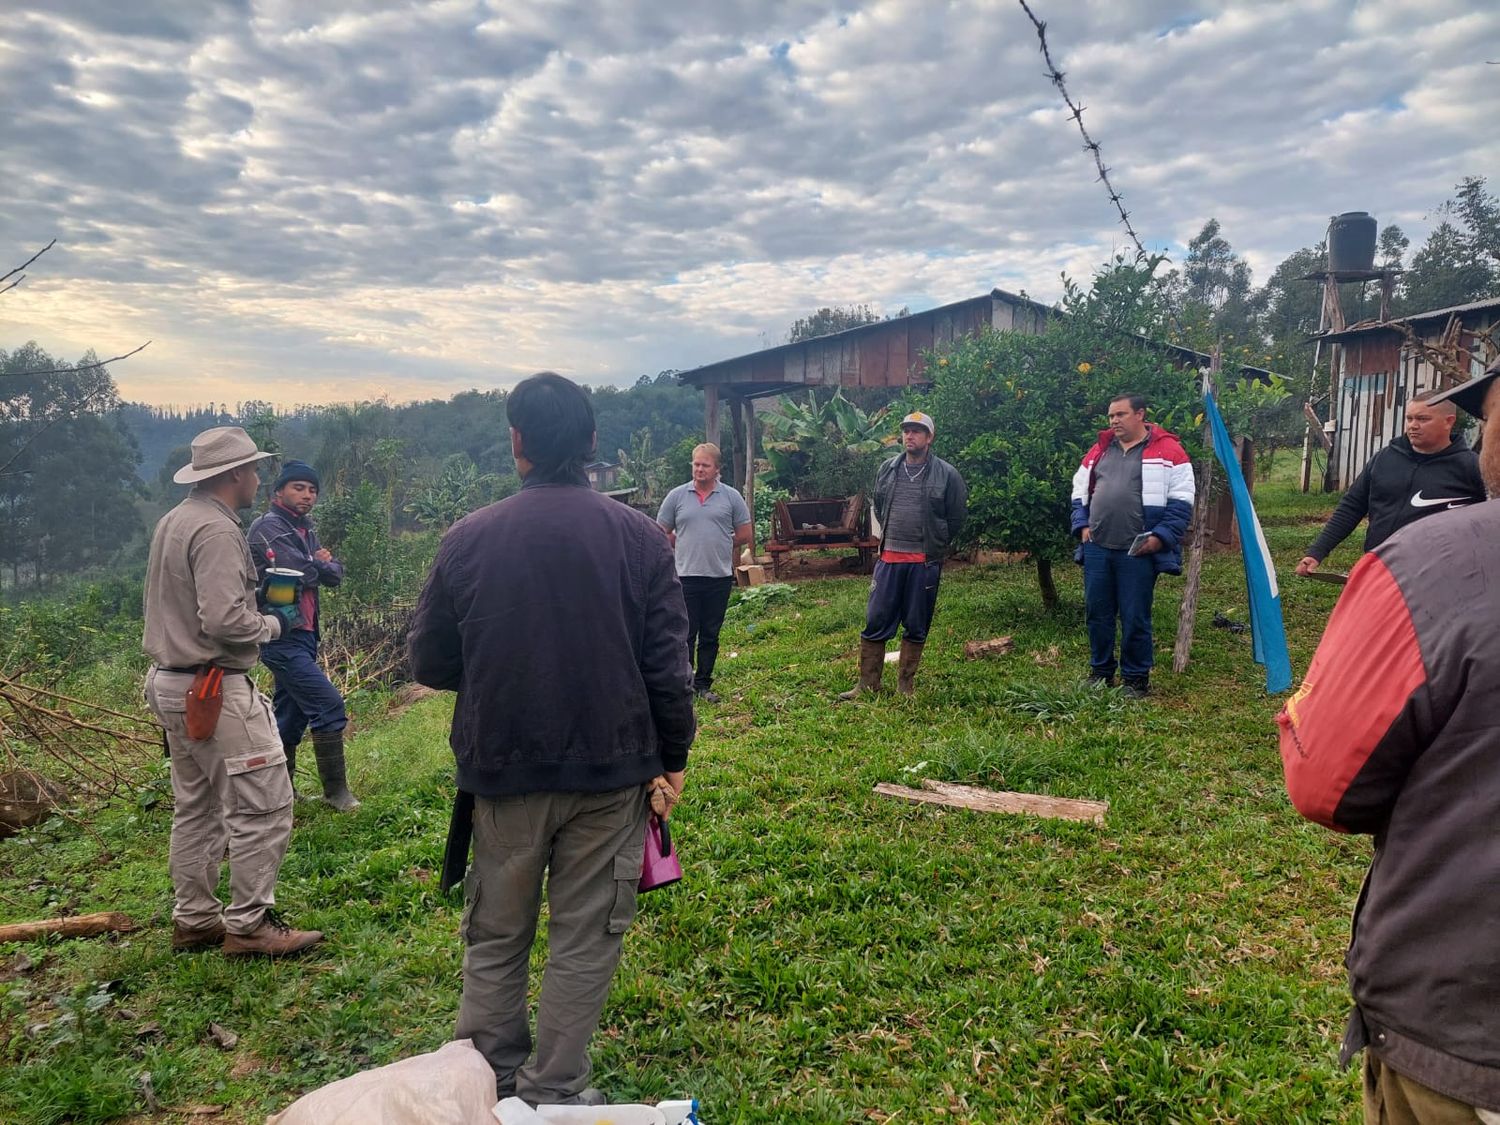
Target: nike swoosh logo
(1420, 501)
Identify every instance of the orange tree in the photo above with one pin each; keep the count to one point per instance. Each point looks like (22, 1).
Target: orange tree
(1016, 412)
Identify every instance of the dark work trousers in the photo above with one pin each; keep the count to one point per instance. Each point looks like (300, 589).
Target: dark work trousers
(1118, 585)
(903, 595)
(304, 696)
(589, 847)
(707, 599)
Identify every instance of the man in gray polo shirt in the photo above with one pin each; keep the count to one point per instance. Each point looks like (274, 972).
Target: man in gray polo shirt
(706, 521)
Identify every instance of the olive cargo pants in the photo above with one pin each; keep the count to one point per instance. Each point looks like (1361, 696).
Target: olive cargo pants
(590, 847)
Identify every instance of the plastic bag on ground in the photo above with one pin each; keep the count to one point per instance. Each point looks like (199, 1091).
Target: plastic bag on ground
(453, 1085)
(513, 1111)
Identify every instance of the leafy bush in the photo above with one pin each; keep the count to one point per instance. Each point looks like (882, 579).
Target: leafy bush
(1016, 412)
(828, 449)
(87, 623)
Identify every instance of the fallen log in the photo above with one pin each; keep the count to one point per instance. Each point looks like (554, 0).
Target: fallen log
(991, 800)
(999, 646)
(79, 925)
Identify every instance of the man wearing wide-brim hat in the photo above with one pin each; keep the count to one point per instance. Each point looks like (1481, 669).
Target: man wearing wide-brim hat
(229, 780)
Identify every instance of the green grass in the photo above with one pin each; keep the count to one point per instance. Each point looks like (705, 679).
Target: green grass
(832, 955)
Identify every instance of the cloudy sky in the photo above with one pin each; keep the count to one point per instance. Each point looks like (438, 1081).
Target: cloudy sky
(307, 202)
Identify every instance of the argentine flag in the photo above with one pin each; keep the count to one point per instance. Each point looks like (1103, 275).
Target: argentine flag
(1267, 629)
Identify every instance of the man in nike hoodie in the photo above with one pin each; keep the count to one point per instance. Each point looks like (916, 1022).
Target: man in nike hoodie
(1423, 472)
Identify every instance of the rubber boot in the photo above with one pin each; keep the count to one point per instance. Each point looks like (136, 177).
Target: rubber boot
(906, 677)
(871, 662)
(328, 745)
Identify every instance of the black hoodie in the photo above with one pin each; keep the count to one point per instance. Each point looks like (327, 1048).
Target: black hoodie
(1400, 486)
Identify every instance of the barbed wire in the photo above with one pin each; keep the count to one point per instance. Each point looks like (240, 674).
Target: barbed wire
(1076, 112)
(1091, 146)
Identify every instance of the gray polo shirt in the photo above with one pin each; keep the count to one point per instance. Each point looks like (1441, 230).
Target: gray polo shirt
(705, 529)
(1115, 513)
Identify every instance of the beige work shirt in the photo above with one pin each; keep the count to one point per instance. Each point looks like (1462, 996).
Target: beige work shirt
(200, 590)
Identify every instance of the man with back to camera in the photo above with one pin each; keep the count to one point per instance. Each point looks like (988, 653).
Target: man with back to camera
(1424, 471)
(1394, 733)
(921, 503)
(557, 616)
(305, 698)
(230, 787)
(1132, 501)
(705, 520)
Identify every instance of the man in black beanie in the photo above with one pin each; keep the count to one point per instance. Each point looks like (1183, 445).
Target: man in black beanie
(305, 698)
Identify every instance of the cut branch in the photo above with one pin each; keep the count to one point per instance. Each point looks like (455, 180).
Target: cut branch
(27, 262)
(75, 370)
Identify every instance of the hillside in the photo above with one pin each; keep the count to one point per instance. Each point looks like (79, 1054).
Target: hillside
(833, 955)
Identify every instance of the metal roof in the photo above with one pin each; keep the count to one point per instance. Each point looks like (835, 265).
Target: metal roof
(1366, 326)
(701, 375)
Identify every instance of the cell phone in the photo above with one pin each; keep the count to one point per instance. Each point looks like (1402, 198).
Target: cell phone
(1138, 544)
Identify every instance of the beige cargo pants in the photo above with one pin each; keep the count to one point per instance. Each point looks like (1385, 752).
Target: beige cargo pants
(589, 847)
(231, 790)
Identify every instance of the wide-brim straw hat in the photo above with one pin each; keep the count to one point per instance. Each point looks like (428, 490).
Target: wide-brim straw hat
(1470, 395)
(217, 451)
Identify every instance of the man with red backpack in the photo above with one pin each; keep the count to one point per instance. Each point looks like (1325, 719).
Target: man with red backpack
(1132, 501)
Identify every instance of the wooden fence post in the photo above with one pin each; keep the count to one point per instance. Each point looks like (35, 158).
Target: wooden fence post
(1187, 615)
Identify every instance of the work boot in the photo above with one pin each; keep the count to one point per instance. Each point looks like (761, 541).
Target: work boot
(190, 939)
(328, 745)
(906, 676)
(871, 661)
(1136, 687)
(1098, 679)
(272, 938)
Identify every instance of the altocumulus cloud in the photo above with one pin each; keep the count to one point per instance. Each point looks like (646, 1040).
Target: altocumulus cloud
(312, 202)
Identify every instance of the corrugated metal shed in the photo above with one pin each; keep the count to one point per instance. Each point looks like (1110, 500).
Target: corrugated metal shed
(1379, 373)
(887, 353)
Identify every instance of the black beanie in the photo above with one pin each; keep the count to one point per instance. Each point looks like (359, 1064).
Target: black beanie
(297, 470)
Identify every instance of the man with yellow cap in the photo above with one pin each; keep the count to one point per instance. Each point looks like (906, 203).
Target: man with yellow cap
(921, 502)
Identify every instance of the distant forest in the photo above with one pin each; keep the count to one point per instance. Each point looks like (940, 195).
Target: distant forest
(471, 423)
(86, 475)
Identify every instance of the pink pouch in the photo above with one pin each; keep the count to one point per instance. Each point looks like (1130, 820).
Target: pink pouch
(659, 866)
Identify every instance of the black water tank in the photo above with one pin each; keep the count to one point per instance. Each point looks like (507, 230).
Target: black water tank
(1351, 242)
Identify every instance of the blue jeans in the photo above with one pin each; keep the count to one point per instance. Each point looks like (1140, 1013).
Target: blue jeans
(903, 594)
(304, 695)
(1119, 586)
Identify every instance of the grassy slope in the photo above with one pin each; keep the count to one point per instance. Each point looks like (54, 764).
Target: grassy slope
(833, 955)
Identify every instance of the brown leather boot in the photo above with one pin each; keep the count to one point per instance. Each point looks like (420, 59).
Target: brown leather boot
(272, 938)
(190, 939)
(871, 662)
(906, 675)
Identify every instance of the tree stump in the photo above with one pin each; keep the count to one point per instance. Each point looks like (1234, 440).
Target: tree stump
(27, 799)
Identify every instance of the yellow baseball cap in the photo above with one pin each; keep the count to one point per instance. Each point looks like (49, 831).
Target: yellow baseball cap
(917, 418)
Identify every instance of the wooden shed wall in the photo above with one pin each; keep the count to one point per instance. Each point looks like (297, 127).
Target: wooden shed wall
(1379, 377)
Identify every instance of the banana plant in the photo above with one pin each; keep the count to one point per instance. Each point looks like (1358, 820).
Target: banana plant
(796, 435)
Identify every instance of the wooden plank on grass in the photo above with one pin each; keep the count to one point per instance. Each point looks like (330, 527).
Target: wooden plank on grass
(991, 800)
(999, 646)
(81, 925)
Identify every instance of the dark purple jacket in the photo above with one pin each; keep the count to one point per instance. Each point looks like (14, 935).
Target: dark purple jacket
(294, 540)
(558, 618)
